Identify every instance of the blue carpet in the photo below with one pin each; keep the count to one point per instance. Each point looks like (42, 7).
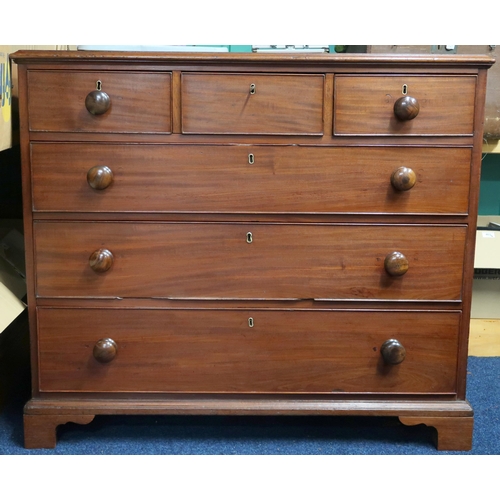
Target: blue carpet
(238, 435)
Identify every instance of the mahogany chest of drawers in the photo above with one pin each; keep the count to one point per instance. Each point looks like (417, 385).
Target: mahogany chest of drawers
(250, 234)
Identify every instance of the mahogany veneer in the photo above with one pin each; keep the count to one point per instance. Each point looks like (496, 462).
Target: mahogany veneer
(220, 179)
(283, 261)
(250, 234)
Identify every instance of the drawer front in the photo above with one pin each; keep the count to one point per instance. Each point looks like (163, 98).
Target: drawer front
(364, 105)
(247, 179)
(140, 102)
(269, 261)
(252, 104)
(217, 351)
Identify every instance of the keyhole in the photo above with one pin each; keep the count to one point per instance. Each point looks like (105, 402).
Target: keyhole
(250, 322)
(98, 85)
(404, 90)
(249, 237)
(251, 159)
(252, 88)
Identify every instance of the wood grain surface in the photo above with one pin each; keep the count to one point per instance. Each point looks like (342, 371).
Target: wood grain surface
(217, 351)
(280, 104)
(220, 179)
(364, 105)
(140, 101)
(210, 260)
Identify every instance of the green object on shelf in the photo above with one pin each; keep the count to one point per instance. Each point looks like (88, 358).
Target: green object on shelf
(240, 48)
(489, 195)
(248, 48)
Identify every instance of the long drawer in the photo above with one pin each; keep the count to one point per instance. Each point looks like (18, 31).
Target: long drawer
(252, 103)
(139, 102)
(249, 260)
(218, 351)
(249, 179)
(364, 105)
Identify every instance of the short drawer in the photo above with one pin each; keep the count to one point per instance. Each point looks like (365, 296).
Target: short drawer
(206, 351)
(249, 179)
(365, 105)
(252, 103)
(249, 260)
(139, 102)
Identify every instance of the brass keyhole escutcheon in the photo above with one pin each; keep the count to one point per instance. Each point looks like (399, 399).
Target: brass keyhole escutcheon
(98, 85)
(250, 322)
(404, 90)
(251, 158)
(249, 237)
(252, 88)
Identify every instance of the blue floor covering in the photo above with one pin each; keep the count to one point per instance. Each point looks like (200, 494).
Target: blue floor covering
(259, 435)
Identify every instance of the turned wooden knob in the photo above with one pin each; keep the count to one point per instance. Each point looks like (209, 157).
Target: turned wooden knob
(97, 102)
(99, 177)
(101, 260)
(393, 352)
(406, 108)
(396, 264)
(403, 179)
(105, 350)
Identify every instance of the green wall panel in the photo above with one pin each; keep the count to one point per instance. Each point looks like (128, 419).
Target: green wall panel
(489, 197)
